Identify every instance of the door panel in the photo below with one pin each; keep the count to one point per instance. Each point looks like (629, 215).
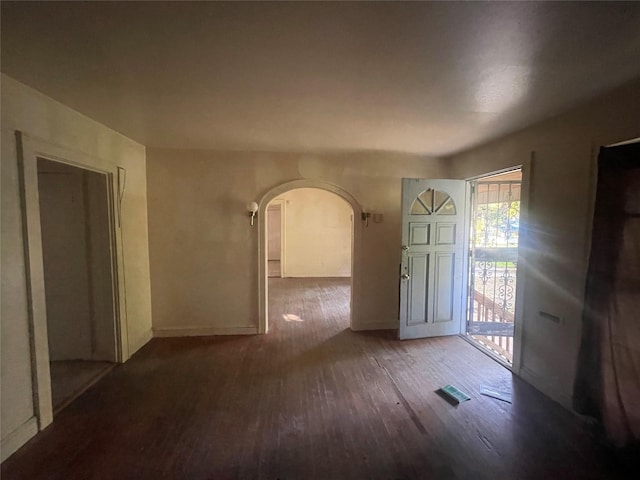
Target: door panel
(431, 282)
(444, 285)
(419, 272)
(419, 234)
(446, 234)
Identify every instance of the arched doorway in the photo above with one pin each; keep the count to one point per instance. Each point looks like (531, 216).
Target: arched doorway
(263, 289)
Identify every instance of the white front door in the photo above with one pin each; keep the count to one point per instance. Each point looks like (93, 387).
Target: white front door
(432, 268)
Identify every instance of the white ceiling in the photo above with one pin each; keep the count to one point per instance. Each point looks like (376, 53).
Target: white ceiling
(428, 78)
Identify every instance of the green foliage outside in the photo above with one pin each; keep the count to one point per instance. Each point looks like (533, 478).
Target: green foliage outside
(497, 225)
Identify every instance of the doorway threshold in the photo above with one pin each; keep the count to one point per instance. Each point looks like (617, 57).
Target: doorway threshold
(486, 351)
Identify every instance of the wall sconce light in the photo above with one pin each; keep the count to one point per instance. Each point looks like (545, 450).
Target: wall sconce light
(252, 209)
(377, 217)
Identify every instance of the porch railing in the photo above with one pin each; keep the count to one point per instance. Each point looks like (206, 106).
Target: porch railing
(492, 325)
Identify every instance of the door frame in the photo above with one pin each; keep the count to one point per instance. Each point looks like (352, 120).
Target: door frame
(29, 149)
(526, 167)
(283, 240)
(356, 246)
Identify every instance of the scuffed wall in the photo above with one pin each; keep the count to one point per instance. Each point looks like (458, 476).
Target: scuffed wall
(204, 253)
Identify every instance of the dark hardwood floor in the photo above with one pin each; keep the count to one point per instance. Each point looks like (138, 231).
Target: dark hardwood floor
(310, 400)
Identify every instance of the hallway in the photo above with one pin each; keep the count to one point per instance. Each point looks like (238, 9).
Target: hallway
(309, 400)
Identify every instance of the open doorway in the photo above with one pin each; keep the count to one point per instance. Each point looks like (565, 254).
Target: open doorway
(275, 227)
(78, 277)
(493, 263)
(309, 234)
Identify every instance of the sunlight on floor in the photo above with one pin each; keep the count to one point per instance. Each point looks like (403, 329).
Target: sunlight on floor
(290, 317)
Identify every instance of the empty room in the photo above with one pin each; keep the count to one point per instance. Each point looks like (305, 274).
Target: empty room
(320, 240)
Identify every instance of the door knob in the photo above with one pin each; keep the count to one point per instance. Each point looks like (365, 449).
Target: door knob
(405, 247)
(405, 276)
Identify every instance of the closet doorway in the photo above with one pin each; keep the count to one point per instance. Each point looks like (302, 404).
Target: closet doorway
(78, 277)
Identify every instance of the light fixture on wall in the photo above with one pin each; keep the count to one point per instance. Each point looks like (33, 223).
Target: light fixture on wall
(252, 209)
(366, 215)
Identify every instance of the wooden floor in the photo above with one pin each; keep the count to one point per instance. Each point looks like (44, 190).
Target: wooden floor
(309, 400)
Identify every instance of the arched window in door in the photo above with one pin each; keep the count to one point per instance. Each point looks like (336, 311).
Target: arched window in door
(433, 202)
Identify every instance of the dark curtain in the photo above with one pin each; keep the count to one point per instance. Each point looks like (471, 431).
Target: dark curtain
(608, 378)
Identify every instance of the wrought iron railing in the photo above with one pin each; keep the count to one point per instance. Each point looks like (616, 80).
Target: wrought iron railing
(492, 325)
(493, 262)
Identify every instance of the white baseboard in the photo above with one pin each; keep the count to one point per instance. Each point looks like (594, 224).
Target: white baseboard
(314, 275)
(21, 435)
(375, 326)
(161, 332)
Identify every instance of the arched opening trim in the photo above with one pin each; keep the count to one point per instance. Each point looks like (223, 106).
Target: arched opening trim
(263, 284)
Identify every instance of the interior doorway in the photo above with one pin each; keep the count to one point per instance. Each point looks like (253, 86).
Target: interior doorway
(275, 227)
(78, 277)
(493, 263)
(309, 250)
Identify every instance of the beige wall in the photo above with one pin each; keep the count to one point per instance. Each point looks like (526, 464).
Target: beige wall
(317, 234)
(561, 199)
(204, 253)
(41, 117)
(274, 231)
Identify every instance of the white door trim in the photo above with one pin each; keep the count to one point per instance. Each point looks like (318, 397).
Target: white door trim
(263, 284)
(29, 150)
(524, 246)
